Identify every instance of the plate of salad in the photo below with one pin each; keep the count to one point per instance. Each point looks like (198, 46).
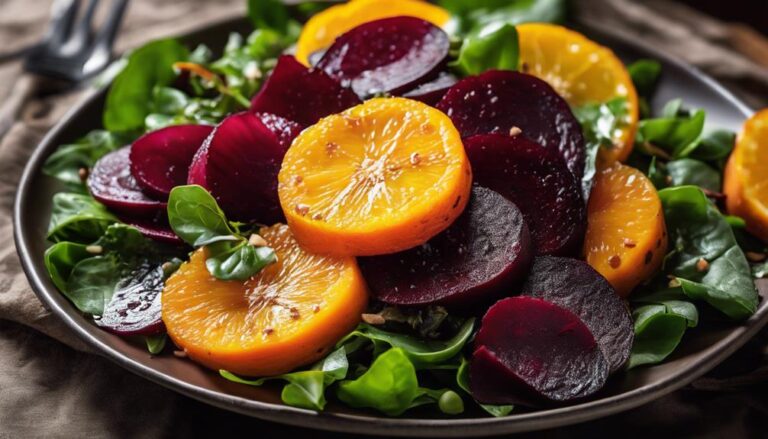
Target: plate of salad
(404, 218)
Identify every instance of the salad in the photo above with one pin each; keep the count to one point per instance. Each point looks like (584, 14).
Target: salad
(400, 204)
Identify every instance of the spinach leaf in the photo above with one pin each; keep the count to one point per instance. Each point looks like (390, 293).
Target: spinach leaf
(488, 46)
(61, 258)
(390, 385)
(423, 353)
(67, 161)
(155, 343)
(78, 218)
(705, 256)
(92, 283)
(715, 146)
(659, 327)
(473, 13)
(269, 14)
(684, 172)
(196, 218)
(676, 134)
(599, 122)
(462, 379)
(645, 75)
(130, 96)
(305, 389)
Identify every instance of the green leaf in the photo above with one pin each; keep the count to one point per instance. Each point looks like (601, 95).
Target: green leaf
(489, 46)
(269, 14)
(239, 260)
(473, 13)
(659, 327)
(196, 218)
(61, 258)
(93, 282)
(422, 352)
(67, 161)
(715, 146)
(78, 218)
(677, 135)
(155, 343)
(462, 380)
(129, 99)
(698, 231)
(684, 172)
(167, 100)
(127, 241)
(390, 385)
(645, 75)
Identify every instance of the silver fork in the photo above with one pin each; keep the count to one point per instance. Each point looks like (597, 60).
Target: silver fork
(70, 53)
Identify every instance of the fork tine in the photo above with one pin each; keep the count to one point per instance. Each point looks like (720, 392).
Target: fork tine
(82, 30)
(106, 35)
(63, 14)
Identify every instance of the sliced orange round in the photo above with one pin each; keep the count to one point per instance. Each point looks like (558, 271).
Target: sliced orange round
(381, 177)
(322, 29)
(626, 235)
(745, 181)
(583, 72)
(288, 315)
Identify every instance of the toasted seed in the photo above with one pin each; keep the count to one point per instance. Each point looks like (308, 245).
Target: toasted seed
(82, 173)
(268, 330)
(316, 308)
(515, 131)
(756, 257)
(614, 261)
(257, 241)
(302, 209)
(674, 283)
(180, 354)
(94, 249)
(373, 319)
(628, 243)
(702, 265)
(415, 158)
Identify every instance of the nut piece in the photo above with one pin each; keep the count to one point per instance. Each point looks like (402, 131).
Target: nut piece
(302, 209)
(628, 243)
(373, 319)
(268, 330)
(83, 174)
(614, 261)
(702, 265)
(94, 249)
(415, 158)
(256, 240)
(180, 354)
(756, 257)
(515, 131)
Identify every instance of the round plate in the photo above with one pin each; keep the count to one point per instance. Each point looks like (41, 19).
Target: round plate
(702, 349)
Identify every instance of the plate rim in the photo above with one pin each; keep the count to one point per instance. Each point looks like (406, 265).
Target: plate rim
(364, 424)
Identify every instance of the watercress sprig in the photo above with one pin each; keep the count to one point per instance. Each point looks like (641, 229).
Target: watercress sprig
(197, 219)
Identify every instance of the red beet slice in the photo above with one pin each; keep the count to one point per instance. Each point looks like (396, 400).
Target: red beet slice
(112, 183)
(529, 351)
(538, 182)
(160, 159)
(431, 92)
(135, 308)
(497, 101)
(156, 229)
(389, 55)
(483, 253)
(300, 94)
(238, 164)
(574, 285)
(284, 129)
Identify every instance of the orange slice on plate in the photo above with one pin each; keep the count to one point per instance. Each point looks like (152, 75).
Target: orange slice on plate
(381, 177)
(321, 30)
(626, 235)
(288, 315)
(745, 182)
(583, 72)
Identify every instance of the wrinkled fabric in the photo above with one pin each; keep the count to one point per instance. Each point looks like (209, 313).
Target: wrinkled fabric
(52, 386)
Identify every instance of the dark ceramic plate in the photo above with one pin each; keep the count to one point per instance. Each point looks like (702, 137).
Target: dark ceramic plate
(702, 349)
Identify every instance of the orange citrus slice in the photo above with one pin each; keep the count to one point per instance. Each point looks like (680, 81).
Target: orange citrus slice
(626, 235)
(381, 177)
(583, 72)
(322, 29)
(288, 315)
(745, 181)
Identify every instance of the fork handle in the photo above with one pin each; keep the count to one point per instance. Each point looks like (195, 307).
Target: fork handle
(26, 86)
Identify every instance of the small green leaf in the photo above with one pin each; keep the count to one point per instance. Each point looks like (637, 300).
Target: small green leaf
(78, 218)
(684, 172)
(196, 218)
(645, 75)
(155, 343)
(61, 258)
(677, 135)
(489, 46)
(268, 14)
(67, 161)
(715, 146)
(238, 260)
(462, 380)
(92, 283)
(659, 328)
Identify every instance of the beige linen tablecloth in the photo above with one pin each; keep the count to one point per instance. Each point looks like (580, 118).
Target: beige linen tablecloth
(51, 386)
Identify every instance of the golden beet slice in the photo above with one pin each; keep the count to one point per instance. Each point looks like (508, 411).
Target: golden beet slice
(288, 315)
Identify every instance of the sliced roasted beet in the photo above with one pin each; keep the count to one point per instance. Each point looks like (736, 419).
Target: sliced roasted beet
(156, 229)
(300, 94)
(285, 130)
(500, 101)
(238, 164)
(389, 55)
(135, 307)
(538, 182)
(112, 183)
(574, 285)
(530, 351)
(482, 254)
(431, 92)
(160, 159)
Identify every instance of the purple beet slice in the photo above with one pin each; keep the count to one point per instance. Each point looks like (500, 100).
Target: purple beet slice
(529, 351)
(482, 254)
(155, 229)
(135, 307)
(285, 130)
(238, 164)
(389, 55)
(431, 92)
(538, 182)
(500, 101)
(111, 182)
(302, 95)
(576, 286)
(160, 159)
